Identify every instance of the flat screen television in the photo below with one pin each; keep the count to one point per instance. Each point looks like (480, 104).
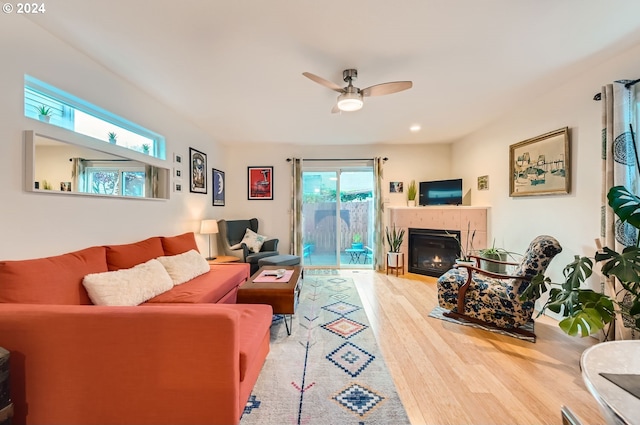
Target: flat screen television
(441, 192)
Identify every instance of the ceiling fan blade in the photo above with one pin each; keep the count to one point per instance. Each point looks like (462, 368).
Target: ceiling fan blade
(322, 81)
(335, 109)
(386, 88)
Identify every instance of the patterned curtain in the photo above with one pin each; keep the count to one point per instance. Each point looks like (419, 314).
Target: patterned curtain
(296, 207)
(620, 167)
(379, 257)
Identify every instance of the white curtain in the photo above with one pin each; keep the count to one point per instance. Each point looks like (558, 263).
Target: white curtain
(296, 207)
(379, 260)
(619, 167)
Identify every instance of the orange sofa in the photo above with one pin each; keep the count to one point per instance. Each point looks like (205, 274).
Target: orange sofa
(187, 356)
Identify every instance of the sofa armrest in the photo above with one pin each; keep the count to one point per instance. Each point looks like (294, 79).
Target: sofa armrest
(151, 364)
(270, 245)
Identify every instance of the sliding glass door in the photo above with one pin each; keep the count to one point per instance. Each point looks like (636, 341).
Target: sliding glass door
(337, 216)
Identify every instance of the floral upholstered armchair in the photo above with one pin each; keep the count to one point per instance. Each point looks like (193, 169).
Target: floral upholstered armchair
(476, 295)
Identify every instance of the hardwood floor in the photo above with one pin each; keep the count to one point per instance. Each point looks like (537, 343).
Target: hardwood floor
(451, 374)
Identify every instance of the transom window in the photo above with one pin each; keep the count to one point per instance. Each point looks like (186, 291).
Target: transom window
(50, 104)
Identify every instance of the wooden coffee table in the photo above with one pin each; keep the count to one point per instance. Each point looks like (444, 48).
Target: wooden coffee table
(282, 296)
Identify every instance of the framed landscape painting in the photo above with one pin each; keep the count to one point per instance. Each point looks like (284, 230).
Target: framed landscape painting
(260, 183)
(541, 165)
(197, 171)
(218, 188)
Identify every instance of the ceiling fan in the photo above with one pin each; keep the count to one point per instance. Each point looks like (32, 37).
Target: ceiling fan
(350, 98)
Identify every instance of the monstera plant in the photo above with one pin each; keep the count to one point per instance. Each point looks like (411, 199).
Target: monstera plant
(585, 311)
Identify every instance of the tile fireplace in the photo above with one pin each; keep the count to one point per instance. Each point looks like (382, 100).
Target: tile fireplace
(431, 251)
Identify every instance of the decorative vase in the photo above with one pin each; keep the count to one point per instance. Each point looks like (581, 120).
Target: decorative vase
(44, 118)
(411, 203)
(112, 141)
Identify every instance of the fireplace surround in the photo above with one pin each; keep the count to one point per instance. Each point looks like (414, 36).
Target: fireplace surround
(432, 251)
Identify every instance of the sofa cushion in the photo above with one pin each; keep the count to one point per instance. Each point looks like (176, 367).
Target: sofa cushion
(253, 240)
(174, 245)
(128, 287)
(131, 254)
(185, 266)
(50, 280)
(209, 287)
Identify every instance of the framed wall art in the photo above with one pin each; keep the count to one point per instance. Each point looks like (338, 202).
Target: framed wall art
(197, 171)
(218, 187)
(541, 165)
(260, 183)
(395, 187)
(483, 183)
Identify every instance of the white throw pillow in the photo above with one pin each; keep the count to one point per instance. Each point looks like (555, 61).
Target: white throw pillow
(128, 286)
(253, 240)
(185, 266)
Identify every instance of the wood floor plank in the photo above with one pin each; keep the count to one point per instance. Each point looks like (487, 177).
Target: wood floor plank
(446, 373)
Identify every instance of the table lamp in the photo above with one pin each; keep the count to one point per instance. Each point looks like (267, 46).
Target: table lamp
(209, 227)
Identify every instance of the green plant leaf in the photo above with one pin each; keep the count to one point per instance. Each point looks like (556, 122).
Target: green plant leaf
(625, 205)
(538, 285)
(625, 266)
(584, 323)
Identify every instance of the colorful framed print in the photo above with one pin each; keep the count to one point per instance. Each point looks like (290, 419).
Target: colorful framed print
(541, 165)
(198, 171)
(260, 183)
(395, 187)
(217, 179)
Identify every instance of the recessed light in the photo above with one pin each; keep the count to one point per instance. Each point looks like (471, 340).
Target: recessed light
(415, 128)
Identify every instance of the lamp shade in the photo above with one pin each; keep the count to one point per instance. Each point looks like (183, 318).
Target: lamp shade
(208, 227)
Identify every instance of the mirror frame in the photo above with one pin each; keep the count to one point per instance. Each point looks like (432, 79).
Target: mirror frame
(65, 136)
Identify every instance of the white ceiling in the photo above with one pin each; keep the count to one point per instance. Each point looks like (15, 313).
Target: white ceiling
(234, 67)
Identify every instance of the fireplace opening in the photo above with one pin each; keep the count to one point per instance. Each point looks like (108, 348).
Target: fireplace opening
(432, 252)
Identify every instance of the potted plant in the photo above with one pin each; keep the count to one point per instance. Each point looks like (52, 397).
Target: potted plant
(467, 250)
(394, 239)
(145, 148)
(493, 253)
(357, 241)
(44, 113)
(411, 194)
(585, 311)
(113, 138)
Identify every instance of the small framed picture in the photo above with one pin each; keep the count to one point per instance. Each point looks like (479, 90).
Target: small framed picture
(65, 186)
(218, 187)
(483, 183)
(395, 187)
(177, 172)
(260, 183)
(198, 171)
(177, 187)
(177, 158)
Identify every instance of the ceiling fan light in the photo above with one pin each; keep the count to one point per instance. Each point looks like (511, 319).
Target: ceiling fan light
(349, 102)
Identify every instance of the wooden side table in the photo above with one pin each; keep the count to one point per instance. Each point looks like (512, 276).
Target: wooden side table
(223, 259)
(398, 266)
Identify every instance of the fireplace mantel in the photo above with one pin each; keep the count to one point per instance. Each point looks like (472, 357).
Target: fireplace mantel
(441, 218)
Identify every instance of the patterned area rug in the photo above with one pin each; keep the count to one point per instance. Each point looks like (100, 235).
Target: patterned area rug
(438, 314)
(321, 272)
(330, 370)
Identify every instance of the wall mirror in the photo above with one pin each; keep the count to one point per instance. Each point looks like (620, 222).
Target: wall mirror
(85, 166)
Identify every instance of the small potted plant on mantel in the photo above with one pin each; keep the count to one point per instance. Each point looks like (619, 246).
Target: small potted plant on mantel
(113, 138)
(394, 239)
(44, 113)
(585, 311)
(411, 194)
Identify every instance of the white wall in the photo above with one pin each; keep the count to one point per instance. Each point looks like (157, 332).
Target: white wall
(573, 219)
(33, 225)
(406, 162)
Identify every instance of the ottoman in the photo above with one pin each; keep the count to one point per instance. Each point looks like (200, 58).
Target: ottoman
(280, 260)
